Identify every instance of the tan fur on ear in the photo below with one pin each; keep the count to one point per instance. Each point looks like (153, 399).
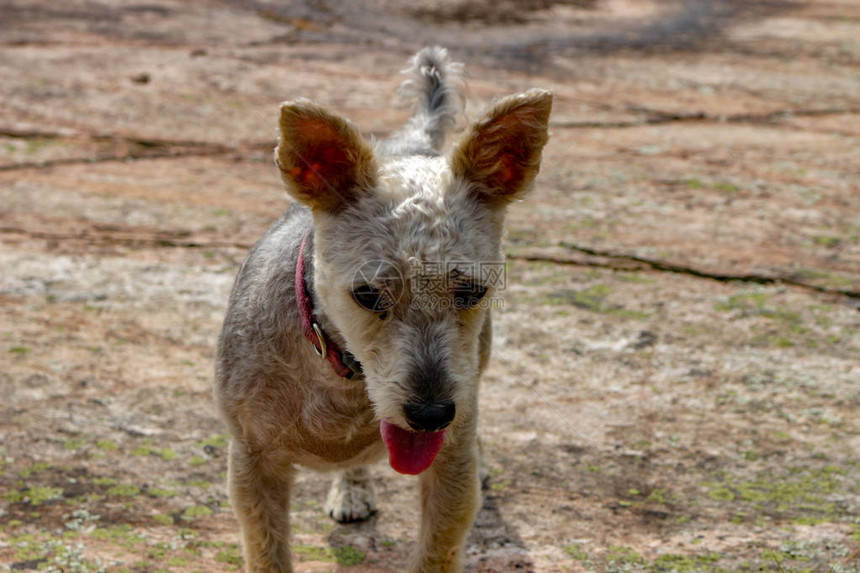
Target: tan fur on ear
(322, 157)
(501, 153)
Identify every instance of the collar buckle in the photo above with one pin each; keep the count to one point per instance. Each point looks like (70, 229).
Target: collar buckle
(322, 349)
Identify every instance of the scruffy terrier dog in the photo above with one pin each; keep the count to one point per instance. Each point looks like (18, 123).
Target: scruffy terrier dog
(359, 324)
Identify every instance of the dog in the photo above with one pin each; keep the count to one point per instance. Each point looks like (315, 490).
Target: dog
(358, 325)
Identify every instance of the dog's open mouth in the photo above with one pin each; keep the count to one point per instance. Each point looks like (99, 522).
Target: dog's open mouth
(410, 452)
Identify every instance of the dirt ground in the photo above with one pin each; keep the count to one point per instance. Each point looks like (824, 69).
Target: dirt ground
(674, 385)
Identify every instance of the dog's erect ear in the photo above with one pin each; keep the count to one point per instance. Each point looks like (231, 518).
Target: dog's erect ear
(322, 157)
(500, 154)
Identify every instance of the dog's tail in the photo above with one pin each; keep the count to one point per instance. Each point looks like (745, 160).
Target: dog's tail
(437, 84)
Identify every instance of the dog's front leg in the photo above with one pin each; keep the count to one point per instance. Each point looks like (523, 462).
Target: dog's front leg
(260, 494)
(450, 499)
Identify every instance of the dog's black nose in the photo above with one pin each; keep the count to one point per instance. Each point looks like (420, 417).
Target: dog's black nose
(429, 417)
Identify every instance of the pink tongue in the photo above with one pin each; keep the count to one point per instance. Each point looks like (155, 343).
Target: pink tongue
(410, 452)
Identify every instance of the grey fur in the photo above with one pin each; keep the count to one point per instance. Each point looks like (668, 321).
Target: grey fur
(436, 84)
(406, 204)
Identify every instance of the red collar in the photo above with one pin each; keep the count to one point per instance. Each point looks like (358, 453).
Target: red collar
(343, 363)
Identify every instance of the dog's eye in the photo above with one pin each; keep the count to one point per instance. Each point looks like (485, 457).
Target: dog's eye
(373, 299)
(468, 294)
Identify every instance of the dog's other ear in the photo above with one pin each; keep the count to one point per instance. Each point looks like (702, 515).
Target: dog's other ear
(500, 154)
(322, 157)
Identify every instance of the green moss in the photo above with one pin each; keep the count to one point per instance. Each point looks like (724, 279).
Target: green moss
(799, 494)
(674, 563)
(35, 145)
(584, 223)
(231, 555)
(104, 481)
(161, 492)
(186, 533)
(216, 441)
(827, 241)
(122, 534)
(347, 556)
(33, 469)
(197, 460)
(141, 451)
(12, 496)
(726, 186)
(159, 551)
(124, 490)
(29, 548)
(74, 443)
(593, 299)
(623, 555)
(62, 557)
(721, 494)
(19, 350)
(660, 495)
(575, 552)
(787, 327)
(743, 301)
(199, 483)
(108, 445)
(167, 454)
(822, 277)
(637, 278)
(313, 553)
(626, 313)
(504, 484)
(195, 512)
(808, 520)
(41, 495)
(782, 315)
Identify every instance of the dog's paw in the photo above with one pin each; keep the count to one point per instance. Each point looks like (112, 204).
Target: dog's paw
(351, 497)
